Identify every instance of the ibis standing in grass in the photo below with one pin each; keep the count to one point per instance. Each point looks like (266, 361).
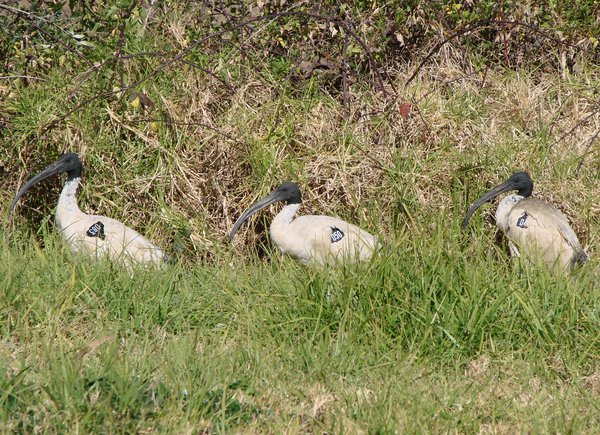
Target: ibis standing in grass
(311, 239)
(90, 234)
(535, 229)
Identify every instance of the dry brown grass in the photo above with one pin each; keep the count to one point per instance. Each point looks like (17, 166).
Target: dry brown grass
(182, 170)
(190, 178)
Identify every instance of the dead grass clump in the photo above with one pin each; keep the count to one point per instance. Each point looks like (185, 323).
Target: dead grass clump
(592, 383)
(478, 368)
(226, 129)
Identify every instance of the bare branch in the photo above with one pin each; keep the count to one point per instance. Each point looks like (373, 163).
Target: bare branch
(478, 25)
(587, 151)
(32, 18)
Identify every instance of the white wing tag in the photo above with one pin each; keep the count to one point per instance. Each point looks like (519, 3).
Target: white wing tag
(336, 234)
(522, 219)
(96, 230)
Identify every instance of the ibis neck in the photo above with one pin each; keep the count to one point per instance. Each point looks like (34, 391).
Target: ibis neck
(286, 215)
(504, 209)
(282, 234)
(67, 207)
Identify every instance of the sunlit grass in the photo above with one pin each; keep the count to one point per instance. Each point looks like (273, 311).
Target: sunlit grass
(428, 335)
(440, 332)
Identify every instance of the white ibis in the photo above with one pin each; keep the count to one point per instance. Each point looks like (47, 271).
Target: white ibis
(310, 239)
(535, 229)
(91, 234)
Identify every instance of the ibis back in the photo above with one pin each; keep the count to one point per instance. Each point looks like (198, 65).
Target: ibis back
(320, 239)
(537, 230)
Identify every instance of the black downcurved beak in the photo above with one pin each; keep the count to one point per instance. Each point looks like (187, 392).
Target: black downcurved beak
(50, 170)
(255, 208)
(500, 188)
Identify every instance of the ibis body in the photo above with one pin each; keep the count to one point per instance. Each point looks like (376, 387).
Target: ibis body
(93, 235)
(311, 239)
(535, 229)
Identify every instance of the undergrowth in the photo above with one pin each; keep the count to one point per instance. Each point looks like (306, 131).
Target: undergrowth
(385, 120)
(429, 334)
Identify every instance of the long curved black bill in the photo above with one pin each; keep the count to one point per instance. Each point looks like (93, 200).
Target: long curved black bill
(255, 208)
(501, 188)
(50, 170)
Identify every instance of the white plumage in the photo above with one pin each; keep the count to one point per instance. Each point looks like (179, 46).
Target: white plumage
(93, 235)
(535, 229)
(311, 239)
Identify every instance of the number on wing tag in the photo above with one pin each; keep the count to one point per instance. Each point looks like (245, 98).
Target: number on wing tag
(96, 230)
(336, 234)
(522, 219)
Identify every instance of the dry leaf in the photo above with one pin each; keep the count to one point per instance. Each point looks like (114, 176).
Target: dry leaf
(404, 110)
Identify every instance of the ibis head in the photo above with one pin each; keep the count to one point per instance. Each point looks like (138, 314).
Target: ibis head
(288, 192)
(68, 163)
(520, 181)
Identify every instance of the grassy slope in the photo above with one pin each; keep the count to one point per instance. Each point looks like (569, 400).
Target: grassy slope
(420, 338)
(438, 333)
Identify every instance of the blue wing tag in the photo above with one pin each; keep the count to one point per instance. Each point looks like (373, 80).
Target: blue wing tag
(96, 230)
(336, 234)
(521, 220)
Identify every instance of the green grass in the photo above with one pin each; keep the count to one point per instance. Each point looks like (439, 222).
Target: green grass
(428, 336)
(441, 332)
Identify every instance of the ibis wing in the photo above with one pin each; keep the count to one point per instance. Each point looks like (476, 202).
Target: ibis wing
(542, 231)
(568, 233)
(551, 218)
(125, 241)
(101, 235)
(332, 239)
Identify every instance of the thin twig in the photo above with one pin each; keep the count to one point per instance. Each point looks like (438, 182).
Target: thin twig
(371, 157)
(587, 151)
(177, 58)
(146, 53)
(120, 42)
(576, 126)
(85, 102)
(28, 16)
(449, 82)
(415, 107)
(485, 73)
(200, 124)
(357, 38)
(439, 45)
(558, 116)
(345, 90)
(210, 73)
(22, 77)
(124, 17)
(483, 24)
